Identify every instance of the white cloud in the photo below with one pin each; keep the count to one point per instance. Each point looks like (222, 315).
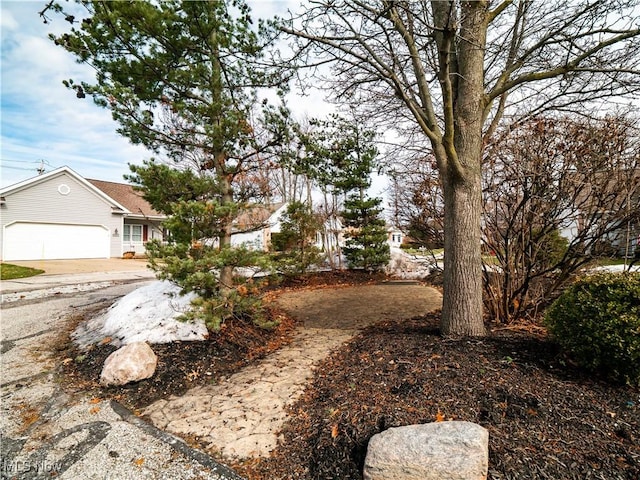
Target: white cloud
(7, 21)
(41, 119)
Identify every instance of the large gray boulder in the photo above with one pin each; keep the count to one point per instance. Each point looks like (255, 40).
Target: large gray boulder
(433, 451)
(130, 363)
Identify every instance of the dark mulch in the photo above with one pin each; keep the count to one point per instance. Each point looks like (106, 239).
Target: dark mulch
(181, 365)
(546, 419)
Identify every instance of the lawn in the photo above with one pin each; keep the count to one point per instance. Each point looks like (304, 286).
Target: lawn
(9, 271)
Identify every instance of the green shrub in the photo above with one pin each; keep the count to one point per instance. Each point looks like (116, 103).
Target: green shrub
(597, 320)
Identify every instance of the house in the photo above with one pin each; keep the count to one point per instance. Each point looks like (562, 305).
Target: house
(61, 215)
(395, 237)
(602, 208)
(253, 227)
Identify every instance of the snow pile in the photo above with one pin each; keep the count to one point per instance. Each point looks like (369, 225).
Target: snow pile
(147, 314)
(615, 268)
(410, 267)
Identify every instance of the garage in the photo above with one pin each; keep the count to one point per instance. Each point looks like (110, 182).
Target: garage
(50, 241)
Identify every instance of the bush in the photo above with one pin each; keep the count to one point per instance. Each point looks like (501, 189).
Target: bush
(597, 320)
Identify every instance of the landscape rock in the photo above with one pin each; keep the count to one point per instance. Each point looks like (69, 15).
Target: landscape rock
(130, 363)
(434, 451)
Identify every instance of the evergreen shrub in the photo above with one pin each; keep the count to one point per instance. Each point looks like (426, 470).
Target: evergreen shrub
(597, 320)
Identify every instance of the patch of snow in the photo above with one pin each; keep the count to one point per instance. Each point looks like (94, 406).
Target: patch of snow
(51, 291)
(411, 267)
(615, 268)
(148, 314)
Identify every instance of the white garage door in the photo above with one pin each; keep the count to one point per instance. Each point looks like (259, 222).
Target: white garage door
(48, 241)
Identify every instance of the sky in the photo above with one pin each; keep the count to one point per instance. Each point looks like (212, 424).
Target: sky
(43, 124)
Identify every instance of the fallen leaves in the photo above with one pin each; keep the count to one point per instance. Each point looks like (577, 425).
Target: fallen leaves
(29, 416)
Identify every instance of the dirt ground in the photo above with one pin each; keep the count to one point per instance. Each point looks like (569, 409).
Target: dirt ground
(546, 418)
(353, 307)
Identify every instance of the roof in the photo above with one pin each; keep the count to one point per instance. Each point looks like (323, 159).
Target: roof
(126, 196)
(256, 216)
(122, 196)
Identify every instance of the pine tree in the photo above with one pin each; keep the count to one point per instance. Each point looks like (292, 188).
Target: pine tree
(296, 240)
(343, 154)
(182, 78)
(366, 245)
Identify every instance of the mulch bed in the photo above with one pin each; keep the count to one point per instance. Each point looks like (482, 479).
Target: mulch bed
(546, 418)
(181, 365)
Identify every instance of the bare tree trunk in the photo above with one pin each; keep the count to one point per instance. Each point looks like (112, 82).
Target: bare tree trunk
(462, 302)
(459, 157)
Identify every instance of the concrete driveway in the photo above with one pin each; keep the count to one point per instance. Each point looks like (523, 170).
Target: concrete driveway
(66, 277)
(88, 265)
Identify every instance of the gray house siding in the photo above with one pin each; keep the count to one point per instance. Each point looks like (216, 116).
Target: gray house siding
(62, 199)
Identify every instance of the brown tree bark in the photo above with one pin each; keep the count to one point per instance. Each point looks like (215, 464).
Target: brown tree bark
(459, 156)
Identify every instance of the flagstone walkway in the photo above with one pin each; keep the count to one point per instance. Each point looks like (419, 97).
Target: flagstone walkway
(241, 416)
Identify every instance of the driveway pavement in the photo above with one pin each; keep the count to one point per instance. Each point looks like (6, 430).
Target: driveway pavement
(64, 277)
(87, 265)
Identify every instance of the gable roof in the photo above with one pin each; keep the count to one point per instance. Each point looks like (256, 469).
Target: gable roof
(16, 187)
(256, 216)
(127, 196)
(121, 196)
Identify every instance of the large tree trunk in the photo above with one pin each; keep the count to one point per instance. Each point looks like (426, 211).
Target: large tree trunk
(462, 78)
(462, 302)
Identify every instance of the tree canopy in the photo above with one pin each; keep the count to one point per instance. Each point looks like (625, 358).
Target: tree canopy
(187, 80)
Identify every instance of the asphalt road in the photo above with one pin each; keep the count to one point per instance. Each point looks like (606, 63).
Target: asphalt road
(48, 432)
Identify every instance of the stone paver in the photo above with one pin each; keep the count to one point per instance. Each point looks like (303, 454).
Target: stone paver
(241, 417)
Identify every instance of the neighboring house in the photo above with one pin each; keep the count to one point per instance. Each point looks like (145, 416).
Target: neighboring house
(253, 227)
(395, 237)
(61, 215)
(621, 238)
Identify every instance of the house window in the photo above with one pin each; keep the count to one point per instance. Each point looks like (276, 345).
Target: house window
(132, 233)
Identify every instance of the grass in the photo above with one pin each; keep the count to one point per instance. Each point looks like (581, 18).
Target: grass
(10, 272)
(607, 261)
